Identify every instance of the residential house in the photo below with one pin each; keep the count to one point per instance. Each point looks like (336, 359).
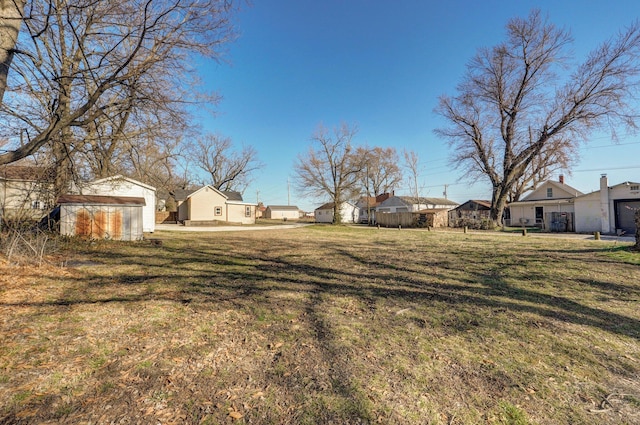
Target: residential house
(349, 213)
(120, 186)
(367, 207)
(412, 204)
(26, 192)
(210, 205)
(550, 206)
(102, 217)
(610, 209)
(473, 213)
(282, 212)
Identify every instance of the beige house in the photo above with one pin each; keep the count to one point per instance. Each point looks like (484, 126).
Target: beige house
(25, 192)
(550, 206)
(210, 205)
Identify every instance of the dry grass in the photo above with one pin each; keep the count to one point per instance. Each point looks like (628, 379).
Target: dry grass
(324, 325)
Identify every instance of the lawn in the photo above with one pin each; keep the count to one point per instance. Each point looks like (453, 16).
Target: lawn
(323, 325)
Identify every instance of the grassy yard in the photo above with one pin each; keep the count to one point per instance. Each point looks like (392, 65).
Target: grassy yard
(324, 325)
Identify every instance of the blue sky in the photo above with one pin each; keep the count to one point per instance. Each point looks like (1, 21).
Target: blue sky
(381, 66)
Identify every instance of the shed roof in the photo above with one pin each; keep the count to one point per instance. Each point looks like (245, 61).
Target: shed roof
(100, 200)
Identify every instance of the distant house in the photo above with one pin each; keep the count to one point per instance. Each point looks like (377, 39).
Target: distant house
(102, 217)
(210, 205)
(473, 213)
(282, 212)
(550, 206)
(120, 186)
(608, 210)
(412, 204)
(25, 192)
(349, 213)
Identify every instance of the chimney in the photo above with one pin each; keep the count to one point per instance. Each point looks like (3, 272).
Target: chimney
(561, 179)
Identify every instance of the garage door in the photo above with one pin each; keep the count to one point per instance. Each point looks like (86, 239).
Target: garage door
(625, 215)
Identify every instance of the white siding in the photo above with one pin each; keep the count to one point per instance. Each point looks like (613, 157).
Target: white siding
(121, 186)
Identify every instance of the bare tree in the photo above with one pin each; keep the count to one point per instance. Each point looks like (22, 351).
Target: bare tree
(85, 63)
(331, 169)
(229, 169)
(552, 159)
(381, 171)
(10, 22)
(511, 110)
(411, 163)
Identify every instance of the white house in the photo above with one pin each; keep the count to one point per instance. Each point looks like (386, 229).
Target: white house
(608, 210)
(124, 186)
(411, 204)
(550, 206)
(348, 212)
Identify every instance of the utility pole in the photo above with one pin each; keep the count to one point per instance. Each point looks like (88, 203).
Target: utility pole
(445, 191)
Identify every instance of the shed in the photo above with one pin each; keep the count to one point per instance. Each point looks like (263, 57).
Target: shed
(102, 217)
(282, 212)
(474, 213)
(120, 186)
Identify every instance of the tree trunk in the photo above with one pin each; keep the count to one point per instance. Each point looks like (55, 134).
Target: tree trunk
(337, 217)
(498, 203)
(10, 21)
(637, 220)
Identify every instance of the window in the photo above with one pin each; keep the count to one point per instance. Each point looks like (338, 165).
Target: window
(247, 211)
(635, 187)
(550, 192)
(218, 211)
(37, 205)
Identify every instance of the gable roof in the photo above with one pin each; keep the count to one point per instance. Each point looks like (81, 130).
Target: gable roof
(205, 187)
(330, 205)
(100, 200)
(573, 192)
(479, 202)
(282, 207)
(232, 195)
(120, 177)
(410, 200)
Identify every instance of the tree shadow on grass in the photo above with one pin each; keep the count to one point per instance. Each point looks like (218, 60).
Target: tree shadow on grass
(207, 274)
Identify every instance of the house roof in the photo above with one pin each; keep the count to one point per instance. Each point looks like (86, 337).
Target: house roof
(330, 205)
(562, 186)
(410, 200)
(481, 202)
(327, 206)
(232, 195)
(120, 177)
(25, 172)
(182, 194)
(283, 207)
(100, 200)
